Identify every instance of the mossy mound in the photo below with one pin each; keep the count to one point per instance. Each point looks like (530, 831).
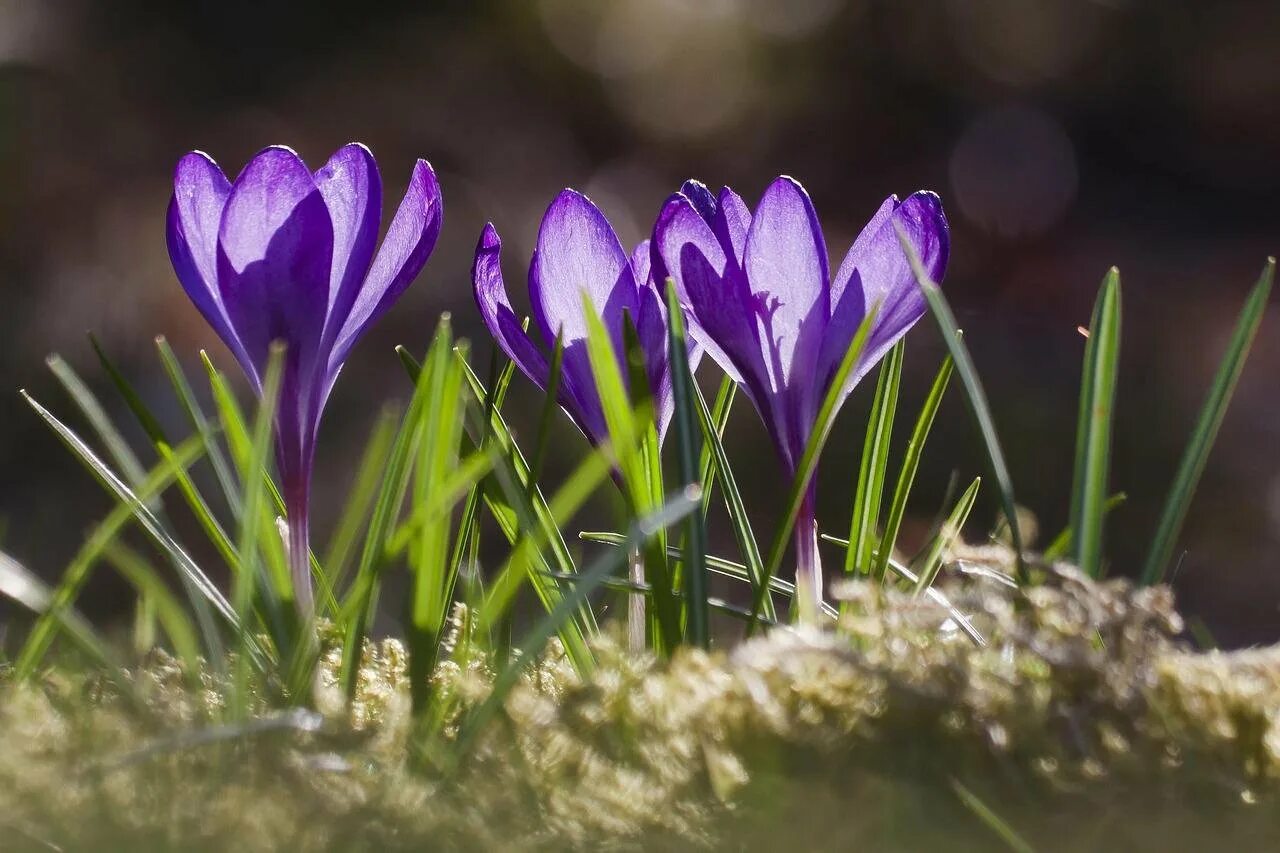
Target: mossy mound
(1082, 725)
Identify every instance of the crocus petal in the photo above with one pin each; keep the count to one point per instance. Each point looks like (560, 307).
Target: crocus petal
(499, 316)
(722, 312)
(703, 201)
(352, 190)
(275, 248)
(200, 191)
(508, 330)
(876, 272)
(786, 265)
(579, 252)
(641, 264)
(731, 223)
(409, 241)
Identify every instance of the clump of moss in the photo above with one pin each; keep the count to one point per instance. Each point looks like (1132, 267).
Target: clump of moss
(1081, 724)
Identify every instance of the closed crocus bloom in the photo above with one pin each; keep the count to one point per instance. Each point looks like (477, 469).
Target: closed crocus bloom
(577, 252)
(764, 305)
(290, 255)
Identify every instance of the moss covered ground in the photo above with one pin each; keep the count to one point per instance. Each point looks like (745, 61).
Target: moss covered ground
(1084, 723)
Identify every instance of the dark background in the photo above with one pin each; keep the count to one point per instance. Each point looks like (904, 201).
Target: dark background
(1065, 136)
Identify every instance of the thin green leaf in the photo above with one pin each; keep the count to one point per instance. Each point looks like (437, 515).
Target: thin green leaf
(254, 501)
(369, 475)
(975, 396)
(1206, 430)
(1057, 549)
(1093, 433)
(910, 464)
(809, 460)
(169, 611)
(19, 584)
(739, 521)
(685, 422)
(931, 562)
(992, 820)
(875, 460)
(719, 420)
(643, 531)
(195, 414)
(131, 469)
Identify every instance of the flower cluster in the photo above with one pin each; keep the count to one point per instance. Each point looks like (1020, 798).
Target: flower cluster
(285, 254)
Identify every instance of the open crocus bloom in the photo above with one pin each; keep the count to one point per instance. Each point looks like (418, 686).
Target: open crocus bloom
(284, 254)
(763, 303)
(577, 252)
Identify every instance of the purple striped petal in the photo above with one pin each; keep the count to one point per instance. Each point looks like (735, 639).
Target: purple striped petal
(876, 271)
(200, 191)
(352, 190)
(275, 248)
(409, 241)
(579, 252)
(786, 265)
(703, 201)
(721, 310)
(499, 316)
(731, 223)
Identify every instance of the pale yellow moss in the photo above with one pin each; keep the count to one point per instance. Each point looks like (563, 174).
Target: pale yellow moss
(1083, 724)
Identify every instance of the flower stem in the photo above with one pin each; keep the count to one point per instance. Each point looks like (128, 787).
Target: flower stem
(297, 501)
(808, 600)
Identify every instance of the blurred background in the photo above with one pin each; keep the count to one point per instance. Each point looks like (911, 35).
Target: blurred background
(1064, 136)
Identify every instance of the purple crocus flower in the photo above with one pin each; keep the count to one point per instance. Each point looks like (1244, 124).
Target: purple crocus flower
(763, 303)
(577, 252)
(285, 254)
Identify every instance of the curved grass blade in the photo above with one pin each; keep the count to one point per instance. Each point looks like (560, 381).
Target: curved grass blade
(685, 421)
(169, 612)
(931, 562)
(871, 468)
(254, 501)
(369, 474)
(993, 821)
(975, 396)
(1206, 430)
(117, 447)
(1093, 432)
(200, 423)
(719, 420)
(613, 560)
(809, 460)
(910, 464)
(734, 504)
(20, 585)
(526, 510)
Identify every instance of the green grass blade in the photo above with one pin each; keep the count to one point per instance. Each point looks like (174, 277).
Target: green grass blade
(431, 579)
(200, 423)
(1057, 549)
(1093, 432)
(255, 502)
(360, 500)
(609, 563)
(169, 612)
(910, 464)
(993, 821)
(131, 469)
(361, 600)
(163, 447)
(550, 404)
(809, 460)
(20, 585)
(526, 510)
(688, 451)
(131, 506)
(715, 565)
(975, 396)
(871, 468)
(931, 562)
(739, 521)
(719, 420)
(1206, 429)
